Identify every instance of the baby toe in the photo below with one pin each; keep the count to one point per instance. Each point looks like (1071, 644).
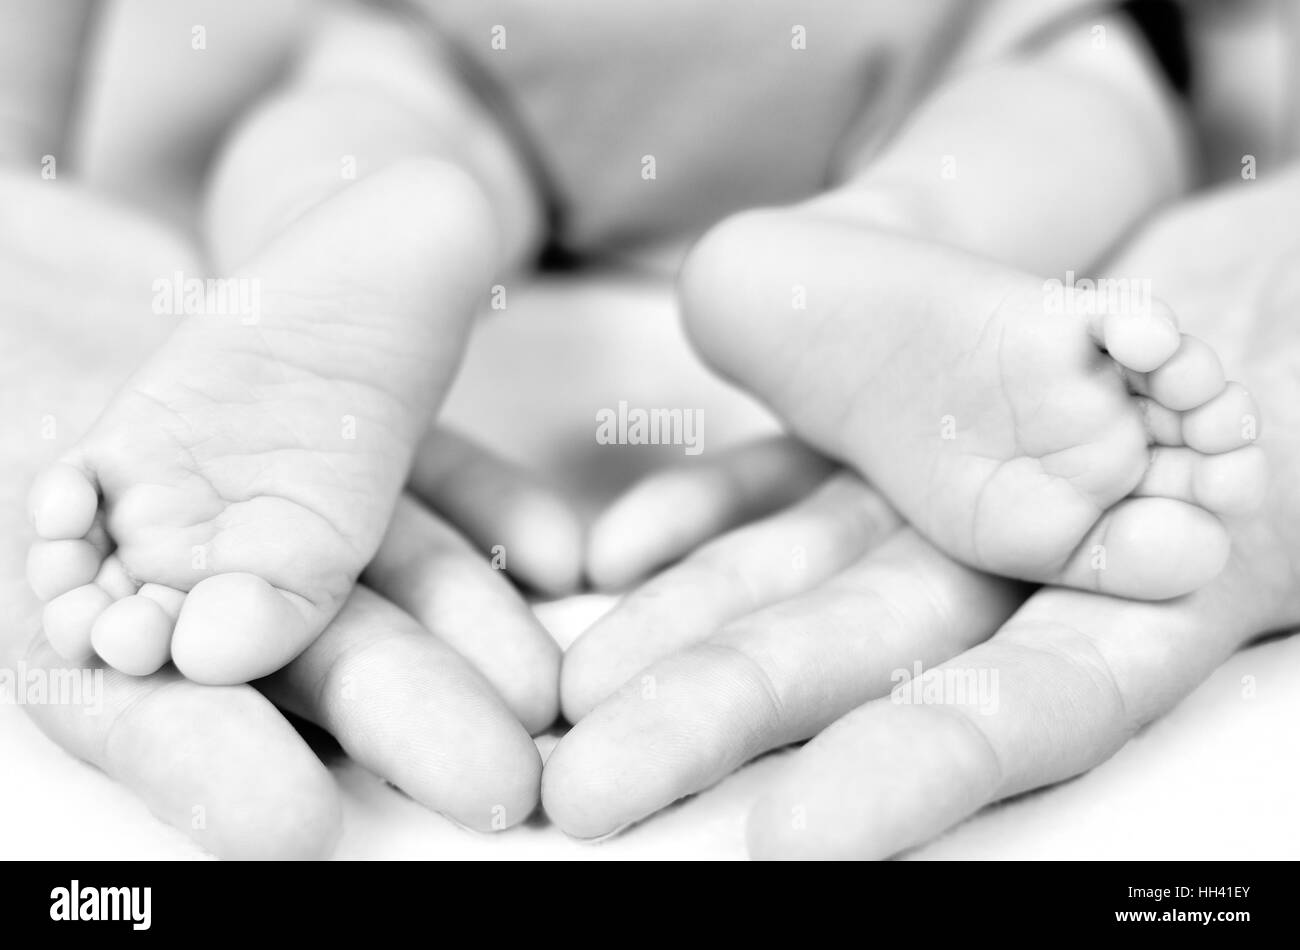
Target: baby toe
(1190, 378)
(1228, 421)
(1150, 549)
(68, 620)
(62, 502)
(168, 598)
(133, 635)
(1163, 425)
(1232, 483)
(114, 579)
(56, 567)
(234, 628)
(1144, 340)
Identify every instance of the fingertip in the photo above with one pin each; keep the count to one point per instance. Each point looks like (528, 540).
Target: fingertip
(547, 544)
(615, 558)
(535, 699)
(654, 522)
(294, 812)
(566, 792)
(629, 758)
(304, 824)
(415, 712)
(581, 686)
(491, 785)
(515, 794)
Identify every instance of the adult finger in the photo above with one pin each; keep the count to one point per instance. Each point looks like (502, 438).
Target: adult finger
(412, 710)
(524, 525)
(430, 571)
(217, 762)
(675, 510)
(1058, 690)
(768, 679)
(763, 563)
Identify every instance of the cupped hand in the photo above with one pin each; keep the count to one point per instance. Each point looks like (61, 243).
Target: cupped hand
(797, 626)
(435, 683)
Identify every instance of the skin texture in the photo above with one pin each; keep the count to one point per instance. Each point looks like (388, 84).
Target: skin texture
(1079, 672)
(76, 273)
(1047, 448)
(235, 733)
(252, 463)
(224, 444)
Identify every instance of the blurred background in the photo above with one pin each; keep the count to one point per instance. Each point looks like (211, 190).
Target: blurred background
(153, 108)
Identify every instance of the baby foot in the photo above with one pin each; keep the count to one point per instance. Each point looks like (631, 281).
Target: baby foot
(1022, 434)
(221, 508)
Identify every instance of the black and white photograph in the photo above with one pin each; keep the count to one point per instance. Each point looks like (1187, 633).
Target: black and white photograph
(650, 430)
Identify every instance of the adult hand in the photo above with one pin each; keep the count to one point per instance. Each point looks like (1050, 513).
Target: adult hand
(450, 728)
(734, 652)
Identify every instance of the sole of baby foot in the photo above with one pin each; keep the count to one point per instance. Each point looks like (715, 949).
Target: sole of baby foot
(220, 510)
(1022, 427)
